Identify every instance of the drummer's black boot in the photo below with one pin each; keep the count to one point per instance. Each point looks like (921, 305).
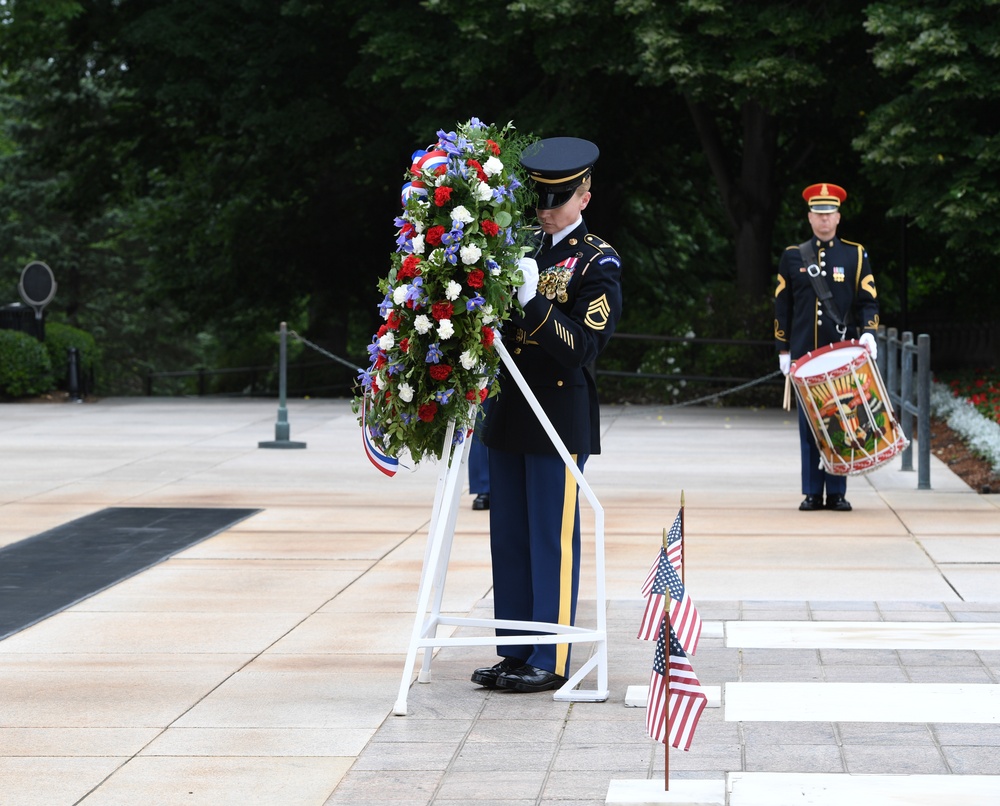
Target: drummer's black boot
(838, 503)
(811, 503)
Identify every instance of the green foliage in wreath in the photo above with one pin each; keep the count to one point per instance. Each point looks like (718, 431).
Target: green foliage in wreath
(450, 285)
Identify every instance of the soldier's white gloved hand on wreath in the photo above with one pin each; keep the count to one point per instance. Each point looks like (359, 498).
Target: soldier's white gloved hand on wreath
(526, 292)
(784, 362)
(868, 340)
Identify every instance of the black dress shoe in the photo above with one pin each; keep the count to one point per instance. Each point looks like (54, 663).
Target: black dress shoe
(529, 678)
(487, 676)
(811, 502)
(838, 503)
(482, 501)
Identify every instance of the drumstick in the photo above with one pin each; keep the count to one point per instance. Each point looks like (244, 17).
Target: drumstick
(787, 403)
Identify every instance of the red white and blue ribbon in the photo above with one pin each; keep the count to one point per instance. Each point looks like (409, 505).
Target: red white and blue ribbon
(385, 464)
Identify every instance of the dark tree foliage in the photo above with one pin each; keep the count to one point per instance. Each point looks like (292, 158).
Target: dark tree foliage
(196, 171)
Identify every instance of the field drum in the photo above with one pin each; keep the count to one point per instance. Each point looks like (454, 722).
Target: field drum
(840, 389)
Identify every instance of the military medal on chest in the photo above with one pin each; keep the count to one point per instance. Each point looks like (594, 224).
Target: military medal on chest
(553, 281)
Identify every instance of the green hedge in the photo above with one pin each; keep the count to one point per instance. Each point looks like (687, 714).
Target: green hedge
(58, 339)
(25, 366)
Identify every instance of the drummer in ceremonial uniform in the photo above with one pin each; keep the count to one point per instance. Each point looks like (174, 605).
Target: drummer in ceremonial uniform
(571, 301)
(803, 323)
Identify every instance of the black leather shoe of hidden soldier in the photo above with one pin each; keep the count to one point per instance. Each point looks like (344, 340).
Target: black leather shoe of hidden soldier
(482, 501)
(487, 676)
(811, 503)
(529, 678)
(838, 503)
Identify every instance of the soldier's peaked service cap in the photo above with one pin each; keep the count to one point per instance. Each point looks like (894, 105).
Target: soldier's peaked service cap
(558, 166)
(824, 197)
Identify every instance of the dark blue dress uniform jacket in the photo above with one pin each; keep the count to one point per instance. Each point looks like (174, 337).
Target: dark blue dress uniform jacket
(800, 323)
(552, 345)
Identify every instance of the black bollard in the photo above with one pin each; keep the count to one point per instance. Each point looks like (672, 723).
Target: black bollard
(73, 375)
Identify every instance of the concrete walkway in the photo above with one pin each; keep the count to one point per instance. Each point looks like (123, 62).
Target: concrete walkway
(261, 665)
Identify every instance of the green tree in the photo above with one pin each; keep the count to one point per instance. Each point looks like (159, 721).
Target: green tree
(935, 146)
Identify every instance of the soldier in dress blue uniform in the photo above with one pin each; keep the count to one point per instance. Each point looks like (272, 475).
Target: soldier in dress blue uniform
(801, 324)
(571, 301)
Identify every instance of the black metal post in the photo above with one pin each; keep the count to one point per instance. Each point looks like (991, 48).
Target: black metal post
(924, 411)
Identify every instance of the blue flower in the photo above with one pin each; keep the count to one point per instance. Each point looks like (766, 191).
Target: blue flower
(449, 253)
(476, 302)
(385, 306)
(453, 237)
(434, 353)
(414, 292)
(444, 397)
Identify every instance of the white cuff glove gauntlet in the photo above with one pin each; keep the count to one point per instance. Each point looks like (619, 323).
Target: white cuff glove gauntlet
(868, 340)
(526, 291)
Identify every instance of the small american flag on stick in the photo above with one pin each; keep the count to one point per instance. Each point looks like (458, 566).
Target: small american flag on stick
(676, 700)
(684, 617)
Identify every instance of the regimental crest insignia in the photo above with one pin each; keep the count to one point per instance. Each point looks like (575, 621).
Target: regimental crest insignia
(598, 313)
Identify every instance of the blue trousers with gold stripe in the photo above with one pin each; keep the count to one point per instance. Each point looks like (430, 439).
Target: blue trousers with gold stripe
(814, 477)
(535, 543)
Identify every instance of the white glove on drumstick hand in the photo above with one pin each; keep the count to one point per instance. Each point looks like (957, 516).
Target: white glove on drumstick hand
(868, 340)
(784, 362)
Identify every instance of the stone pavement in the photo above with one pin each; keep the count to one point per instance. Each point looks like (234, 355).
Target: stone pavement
(261, 665)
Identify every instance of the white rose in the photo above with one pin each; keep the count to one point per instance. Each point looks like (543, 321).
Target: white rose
(483, 192)
(495, 271)
(492, 167)
(467, 360)
(386, 341)
(418, 245)
(470, 254)
(422, 324)
(487, 314)
(405, 392)
(399, 294)
(453, 290)
(445, 329)
(461, 214)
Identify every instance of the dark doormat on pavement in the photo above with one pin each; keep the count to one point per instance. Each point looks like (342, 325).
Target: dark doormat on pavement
(41, 575)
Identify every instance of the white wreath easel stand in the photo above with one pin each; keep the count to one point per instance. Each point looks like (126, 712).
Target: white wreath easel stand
(438, 551)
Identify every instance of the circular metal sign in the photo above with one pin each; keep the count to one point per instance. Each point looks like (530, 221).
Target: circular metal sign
(38, 285)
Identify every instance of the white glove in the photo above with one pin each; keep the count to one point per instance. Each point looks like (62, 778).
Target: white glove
(784, 362)
(527, 290)
(868, 340)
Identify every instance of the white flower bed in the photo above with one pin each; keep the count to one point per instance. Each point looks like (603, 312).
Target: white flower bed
(981, 434)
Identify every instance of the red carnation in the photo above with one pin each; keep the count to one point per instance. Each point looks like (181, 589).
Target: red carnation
(381, 361)
(439, 371)
(479, 170)
(382, 331)
(487, 337)
(493, 147)
(375, 389)
(491, 228)
(442, 196)
(434, 234)
(404, 345)
(475, 278)
(427, 411)
(472, 395)
(410, 268)
(407, 230)
(394, 320)
(483, 394)
(442, 310)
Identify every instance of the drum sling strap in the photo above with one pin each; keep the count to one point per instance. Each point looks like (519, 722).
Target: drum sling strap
(823, 292)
